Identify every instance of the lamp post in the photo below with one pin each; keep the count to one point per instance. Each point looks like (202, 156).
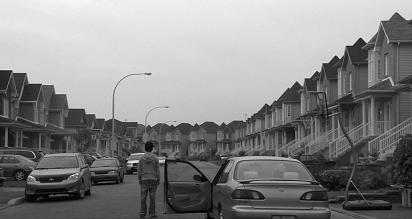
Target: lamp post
(114, 91)
(160, 132)
(147, 114)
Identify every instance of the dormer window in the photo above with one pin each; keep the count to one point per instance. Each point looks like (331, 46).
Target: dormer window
(386, 64)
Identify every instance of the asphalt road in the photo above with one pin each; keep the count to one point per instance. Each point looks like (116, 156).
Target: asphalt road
(108, 200)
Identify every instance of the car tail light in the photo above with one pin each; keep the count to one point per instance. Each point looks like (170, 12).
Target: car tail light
(314, 196)
(247, 194)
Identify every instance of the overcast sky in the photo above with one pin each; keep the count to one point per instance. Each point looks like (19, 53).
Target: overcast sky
(212, 60)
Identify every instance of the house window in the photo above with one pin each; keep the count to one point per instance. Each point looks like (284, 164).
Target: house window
(379, 69)
(370, 66)
(350, 81)
(386, 64)
(289, 110)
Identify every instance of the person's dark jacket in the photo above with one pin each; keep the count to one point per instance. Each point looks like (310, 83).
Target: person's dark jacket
(149, 169)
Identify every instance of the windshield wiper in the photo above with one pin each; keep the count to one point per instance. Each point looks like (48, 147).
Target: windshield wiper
(246, 181)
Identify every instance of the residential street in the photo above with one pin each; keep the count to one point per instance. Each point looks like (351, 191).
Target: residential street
(107, 201)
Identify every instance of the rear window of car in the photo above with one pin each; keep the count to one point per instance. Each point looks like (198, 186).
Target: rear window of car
(271, 170)
(27, 154)
(135, 156)
(104, 163)
(58, 162)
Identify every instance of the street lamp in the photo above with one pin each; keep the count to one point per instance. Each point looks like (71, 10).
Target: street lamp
(160, 132)
(147, 114)
(114, 91)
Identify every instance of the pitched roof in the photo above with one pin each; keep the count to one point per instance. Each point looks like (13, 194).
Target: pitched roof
(5, 76)
(315, 76)
(99, 124)
(118, 126)
(184, 128)
(90, 118)
(76, 118)
(330, 69)
(58, 101)
(235, 124)
(356, 54)
(48, 92)
(31, 92)
(293, 94)
(310, 84)
(278, 102)
(130, 124)
(20, 79)
(210, 127)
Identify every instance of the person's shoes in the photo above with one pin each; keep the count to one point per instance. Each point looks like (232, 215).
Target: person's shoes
(153, 216)
(142, 216)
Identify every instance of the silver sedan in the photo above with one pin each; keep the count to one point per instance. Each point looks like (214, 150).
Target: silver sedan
(246, 187)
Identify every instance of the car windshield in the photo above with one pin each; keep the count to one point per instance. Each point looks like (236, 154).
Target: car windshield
(58, 162)
(135, 157)
(104, 163)
(271, 170)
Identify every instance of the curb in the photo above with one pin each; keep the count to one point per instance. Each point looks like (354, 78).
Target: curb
(351, 214)
(16, 201)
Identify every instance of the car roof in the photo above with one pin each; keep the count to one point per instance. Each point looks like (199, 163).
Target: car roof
(61, 155)
(263, 158)
(13, 155)
(136, 153)
(20, 148)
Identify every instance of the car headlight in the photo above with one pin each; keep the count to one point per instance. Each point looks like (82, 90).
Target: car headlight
(129, 164)
(31, 178)
(112, 172)
(74, 177)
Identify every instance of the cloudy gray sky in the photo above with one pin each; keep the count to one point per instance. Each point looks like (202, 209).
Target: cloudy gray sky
(212, 60)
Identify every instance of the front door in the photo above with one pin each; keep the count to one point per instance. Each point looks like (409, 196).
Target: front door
(187, 190)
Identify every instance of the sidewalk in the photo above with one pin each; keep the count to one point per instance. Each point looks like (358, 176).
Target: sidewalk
(11, 190)
(397, 212)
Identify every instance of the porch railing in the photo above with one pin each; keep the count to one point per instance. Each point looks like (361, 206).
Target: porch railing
(285, 147)
(386, 142)
(321, 142)
(341, 144)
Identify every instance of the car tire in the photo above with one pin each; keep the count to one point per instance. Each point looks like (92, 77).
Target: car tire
(81, 193)
(30, 198)
(207, 216)
(19, 175)
(117, 179)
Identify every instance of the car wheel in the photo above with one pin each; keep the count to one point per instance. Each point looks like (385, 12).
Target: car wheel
(117, 179)
(30, 198)
(80, 194)
(20, 175)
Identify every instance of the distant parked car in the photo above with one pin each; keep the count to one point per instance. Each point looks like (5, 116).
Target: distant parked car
(107, 169)
(177, 155)
(30, 153)
(64, 173)
(133, 162)
(95, 155)
(16, 166)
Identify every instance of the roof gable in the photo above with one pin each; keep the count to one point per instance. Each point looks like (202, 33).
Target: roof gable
(330, 69)
(210, 127)
(31, 92)
(91, 120)
(20, 80)
(355, 54)
(309, 84)
(99, 124)
(48, 92)
(184, 128)
(76, 118)
(58, 101)
(5, 78)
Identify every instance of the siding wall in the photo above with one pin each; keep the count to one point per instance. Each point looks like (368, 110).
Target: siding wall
(405, 105)
(405, 61)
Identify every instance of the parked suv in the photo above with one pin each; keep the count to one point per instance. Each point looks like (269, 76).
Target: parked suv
(30, 153)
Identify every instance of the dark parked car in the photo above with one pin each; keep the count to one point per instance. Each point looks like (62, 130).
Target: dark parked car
(16, 166)
(107, 169)
(64, 173)
(246, 187)
(30, 153)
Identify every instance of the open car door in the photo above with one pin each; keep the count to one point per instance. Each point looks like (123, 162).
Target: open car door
(187, 190)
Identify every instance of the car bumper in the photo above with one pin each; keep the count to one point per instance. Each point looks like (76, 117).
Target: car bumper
(241, 212)
(131, 168)
(64, 187)
(103, 177)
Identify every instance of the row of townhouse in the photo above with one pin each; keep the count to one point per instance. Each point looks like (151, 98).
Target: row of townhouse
(191, 140)
(35, 116)
(368, 88)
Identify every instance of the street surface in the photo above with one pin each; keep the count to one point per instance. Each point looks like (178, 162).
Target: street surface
(108, 200)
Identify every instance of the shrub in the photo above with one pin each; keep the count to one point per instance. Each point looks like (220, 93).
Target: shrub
(204, 156)
(402, 161)
(193, 157)
(371, 178)
(334, 179)
(242, 153)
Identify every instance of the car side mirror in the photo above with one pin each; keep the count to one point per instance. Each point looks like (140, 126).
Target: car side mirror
(199, 178)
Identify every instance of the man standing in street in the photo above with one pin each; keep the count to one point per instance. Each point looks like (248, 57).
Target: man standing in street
(149, 179)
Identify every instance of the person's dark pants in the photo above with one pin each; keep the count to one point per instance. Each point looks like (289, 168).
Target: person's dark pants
(151, 189)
